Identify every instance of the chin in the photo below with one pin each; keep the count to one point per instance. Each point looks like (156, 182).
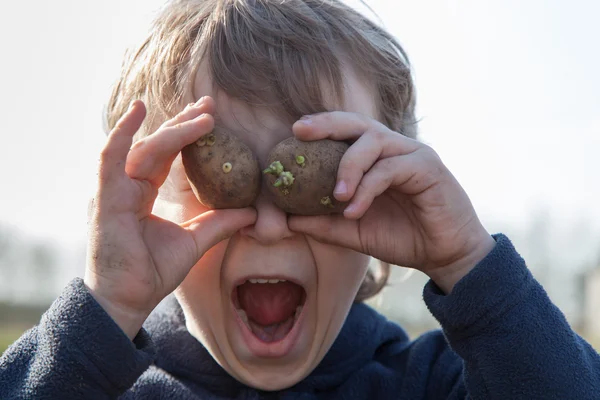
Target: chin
(272, 380)
(270, 319)
(272, 346)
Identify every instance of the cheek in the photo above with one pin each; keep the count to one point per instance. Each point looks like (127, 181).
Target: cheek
(204, 279)
(340, 272)
(200, 296)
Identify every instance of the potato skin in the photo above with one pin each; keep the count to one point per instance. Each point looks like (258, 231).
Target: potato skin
(215, 184)
(313, 182)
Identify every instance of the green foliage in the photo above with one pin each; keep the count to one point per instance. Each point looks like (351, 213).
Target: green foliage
(16, 319)
(8, 336)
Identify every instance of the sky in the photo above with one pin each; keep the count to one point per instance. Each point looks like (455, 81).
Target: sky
(508, 94)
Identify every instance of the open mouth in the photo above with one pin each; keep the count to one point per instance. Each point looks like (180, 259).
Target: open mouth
(269, 307)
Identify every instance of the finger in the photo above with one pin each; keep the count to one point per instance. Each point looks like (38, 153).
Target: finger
(410, 174)
(147, 194)
(331, 229)
(335, 125)
(151, 158)
(124, 196)
(214, 226)
(360, 157)
(342, 125)
(114, 154)
(204, 105)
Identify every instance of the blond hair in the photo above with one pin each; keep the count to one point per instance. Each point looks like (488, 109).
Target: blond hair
(267, 53)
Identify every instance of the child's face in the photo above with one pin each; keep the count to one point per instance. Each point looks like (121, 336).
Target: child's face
(329, 275)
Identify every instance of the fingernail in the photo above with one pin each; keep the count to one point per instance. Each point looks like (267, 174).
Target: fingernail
(341, 188)
(200, 100)
(305, 120)
(350, 209)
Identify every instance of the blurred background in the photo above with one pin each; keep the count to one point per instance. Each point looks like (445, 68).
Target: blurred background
(508, 94)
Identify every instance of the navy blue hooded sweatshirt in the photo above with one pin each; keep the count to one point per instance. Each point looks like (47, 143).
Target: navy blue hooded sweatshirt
(502, 338)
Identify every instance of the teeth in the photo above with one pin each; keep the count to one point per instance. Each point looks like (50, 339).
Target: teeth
(297, 313)
(243, 315)
(261, 280)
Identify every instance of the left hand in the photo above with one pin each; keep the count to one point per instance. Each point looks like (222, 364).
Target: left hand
(406, 208)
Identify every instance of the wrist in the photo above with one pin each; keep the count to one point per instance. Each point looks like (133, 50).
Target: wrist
(130, 321)
(447, 276)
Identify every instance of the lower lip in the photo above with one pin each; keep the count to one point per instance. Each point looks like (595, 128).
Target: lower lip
(277, 349)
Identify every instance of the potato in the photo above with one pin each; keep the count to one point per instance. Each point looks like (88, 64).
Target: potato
(222, 170)
(302, 175)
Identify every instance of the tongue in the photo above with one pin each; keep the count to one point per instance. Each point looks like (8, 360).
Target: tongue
(269, 303)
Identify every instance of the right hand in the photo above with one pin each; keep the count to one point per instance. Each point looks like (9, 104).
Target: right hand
(134, 258)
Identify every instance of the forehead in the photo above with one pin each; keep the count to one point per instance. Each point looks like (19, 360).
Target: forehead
(261, 127)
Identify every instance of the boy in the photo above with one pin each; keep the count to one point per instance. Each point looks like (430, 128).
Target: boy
(263, 303)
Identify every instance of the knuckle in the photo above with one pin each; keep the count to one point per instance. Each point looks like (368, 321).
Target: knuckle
(387, 164)
(387, 168)
(183, 113)
(103, 179)
(429, 152)
(139, 144)
(106, 154)
(348, 165)
(164, 125)
(326, 118)
(175, 120)
(378, 136)
(433, 163)
(435, 160)
(364, 192)
(178, 126)
(363, 187)
(382, 175)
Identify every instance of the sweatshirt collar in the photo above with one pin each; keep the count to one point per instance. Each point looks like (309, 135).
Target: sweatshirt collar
(181, 355)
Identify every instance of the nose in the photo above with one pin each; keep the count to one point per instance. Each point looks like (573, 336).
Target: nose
(271, 223)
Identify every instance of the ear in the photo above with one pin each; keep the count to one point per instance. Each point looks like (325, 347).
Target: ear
(375, 280)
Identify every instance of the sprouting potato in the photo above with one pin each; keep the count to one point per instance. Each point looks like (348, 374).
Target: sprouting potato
(302, 175)
(222, 170)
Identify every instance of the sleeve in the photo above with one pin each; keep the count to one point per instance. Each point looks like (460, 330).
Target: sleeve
(515, 343)
(76, 352)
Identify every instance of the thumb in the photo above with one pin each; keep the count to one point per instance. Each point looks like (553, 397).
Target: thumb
(212, 227)
(331, 229)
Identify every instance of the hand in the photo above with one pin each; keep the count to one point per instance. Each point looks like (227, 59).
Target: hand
(406, 207)
(135, 258)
